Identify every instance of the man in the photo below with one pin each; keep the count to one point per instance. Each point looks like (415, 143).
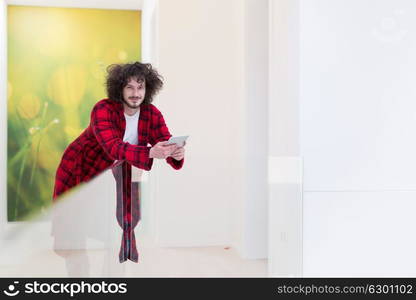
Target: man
(118, 135)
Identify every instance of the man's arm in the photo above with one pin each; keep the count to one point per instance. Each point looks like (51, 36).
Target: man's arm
(108, 136)
(160, 132)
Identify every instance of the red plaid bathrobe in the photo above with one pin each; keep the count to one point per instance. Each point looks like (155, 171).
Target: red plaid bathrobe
(100, 145)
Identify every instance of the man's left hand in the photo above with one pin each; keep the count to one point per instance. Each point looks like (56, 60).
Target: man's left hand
(179, 153)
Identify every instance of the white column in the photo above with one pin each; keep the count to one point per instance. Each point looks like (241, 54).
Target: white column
(285, 165)
(254, 219)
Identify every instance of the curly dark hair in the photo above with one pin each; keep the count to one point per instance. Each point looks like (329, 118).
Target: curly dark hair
(119, 74)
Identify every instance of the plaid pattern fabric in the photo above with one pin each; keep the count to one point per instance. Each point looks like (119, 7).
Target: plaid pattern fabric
(128, 210)
(100, 145)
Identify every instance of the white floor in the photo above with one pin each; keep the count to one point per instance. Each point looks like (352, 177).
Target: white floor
(153, 262)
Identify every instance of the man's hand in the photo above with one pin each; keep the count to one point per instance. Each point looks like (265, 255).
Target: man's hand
(161, 150)
(179, 153)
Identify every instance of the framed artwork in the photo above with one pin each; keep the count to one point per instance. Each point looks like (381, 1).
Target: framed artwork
(56, 67)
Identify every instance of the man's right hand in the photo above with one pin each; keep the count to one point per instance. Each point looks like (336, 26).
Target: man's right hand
(161, 150)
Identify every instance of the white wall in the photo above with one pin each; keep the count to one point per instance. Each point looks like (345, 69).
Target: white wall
(213, 55)
(149, 31)
(201, 58)
(343, 105)
(358, 113)
(360, 77)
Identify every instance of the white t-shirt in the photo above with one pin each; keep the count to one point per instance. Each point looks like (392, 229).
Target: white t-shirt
(130, 135)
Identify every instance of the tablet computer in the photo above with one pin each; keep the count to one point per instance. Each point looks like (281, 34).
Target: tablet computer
(178, 140)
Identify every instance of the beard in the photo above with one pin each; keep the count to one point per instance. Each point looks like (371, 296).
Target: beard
(132, 105)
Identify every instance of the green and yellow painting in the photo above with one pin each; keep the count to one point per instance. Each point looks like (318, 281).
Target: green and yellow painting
(57, 60)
